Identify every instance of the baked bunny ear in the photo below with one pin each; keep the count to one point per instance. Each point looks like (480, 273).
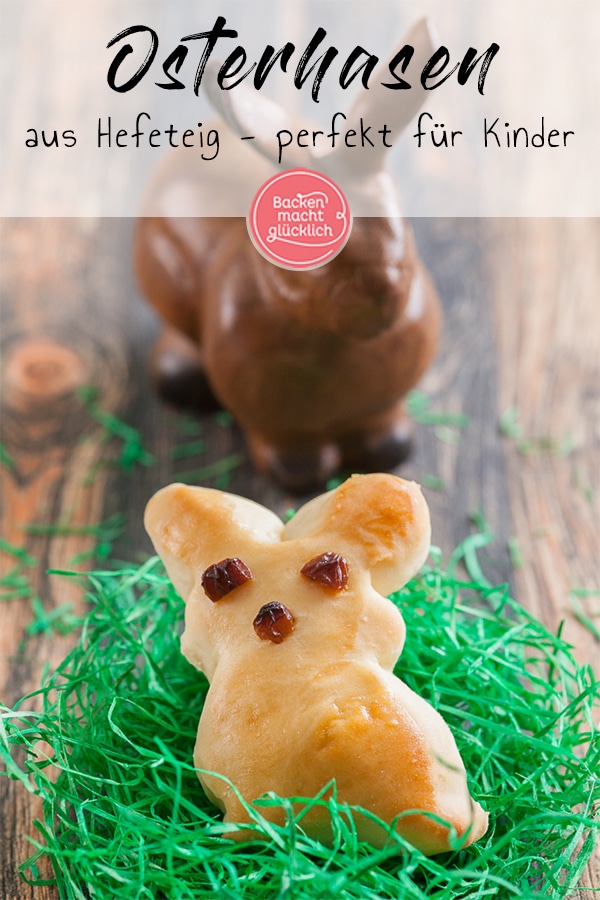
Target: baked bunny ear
(250, 114)
(383, 104)
(194, 527)
(381, 519)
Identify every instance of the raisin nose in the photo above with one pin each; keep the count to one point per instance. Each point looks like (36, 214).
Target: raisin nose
(274, 622)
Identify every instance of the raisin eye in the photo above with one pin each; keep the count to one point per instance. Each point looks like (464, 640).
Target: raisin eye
(223, 577)
(329, 569)
(274, 622)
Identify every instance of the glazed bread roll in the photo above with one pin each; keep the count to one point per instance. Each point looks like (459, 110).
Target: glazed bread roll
(291, 626)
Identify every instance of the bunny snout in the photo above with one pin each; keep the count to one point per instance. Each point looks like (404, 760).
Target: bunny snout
(375, 268)
(368, 301)
(363, 302)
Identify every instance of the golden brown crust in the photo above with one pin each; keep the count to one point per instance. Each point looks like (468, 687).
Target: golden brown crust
(323, 704)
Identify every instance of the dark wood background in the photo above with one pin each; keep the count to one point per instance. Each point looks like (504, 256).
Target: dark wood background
(522, 329)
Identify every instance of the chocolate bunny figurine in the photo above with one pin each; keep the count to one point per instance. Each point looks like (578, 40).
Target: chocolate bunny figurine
(314, 365)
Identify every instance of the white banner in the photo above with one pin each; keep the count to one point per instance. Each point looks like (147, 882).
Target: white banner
(170, 107)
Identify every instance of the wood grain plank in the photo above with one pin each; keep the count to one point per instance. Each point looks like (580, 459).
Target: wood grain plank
(61, 329)
(545, 275)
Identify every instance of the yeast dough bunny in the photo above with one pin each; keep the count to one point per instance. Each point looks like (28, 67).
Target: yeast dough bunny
(314, 365)
(294, 632)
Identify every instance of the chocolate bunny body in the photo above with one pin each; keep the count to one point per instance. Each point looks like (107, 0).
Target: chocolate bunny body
(298, 701)
(314, 365)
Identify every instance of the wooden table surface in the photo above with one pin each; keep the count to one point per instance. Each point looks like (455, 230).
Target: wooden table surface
(522, 331)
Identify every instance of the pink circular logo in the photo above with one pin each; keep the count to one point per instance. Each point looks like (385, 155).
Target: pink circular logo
(299, 219)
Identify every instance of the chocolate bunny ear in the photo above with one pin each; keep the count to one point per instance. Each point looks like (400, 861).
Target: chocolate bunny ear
(381, 105)
(253, 116)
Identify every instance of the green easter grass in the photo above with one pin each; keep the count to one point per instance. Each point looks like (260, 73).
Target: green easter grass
(126, 816)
